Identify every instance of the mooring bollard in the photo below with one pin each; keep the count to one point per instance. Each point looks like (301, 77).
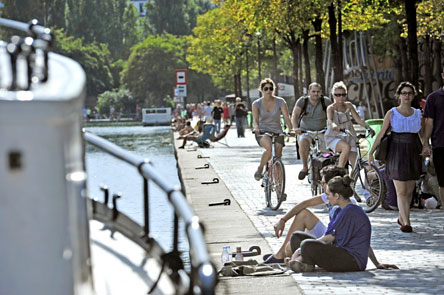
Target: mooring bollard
(206, 166)
(215, 180)
(226, 202)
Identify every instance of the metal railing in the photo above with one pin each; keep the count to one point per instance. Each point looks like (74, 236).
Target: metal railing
(203, 273)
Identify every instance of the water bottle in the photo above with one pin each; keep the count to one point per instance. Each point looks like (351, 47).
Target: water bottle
(225, 257)
(239, 256)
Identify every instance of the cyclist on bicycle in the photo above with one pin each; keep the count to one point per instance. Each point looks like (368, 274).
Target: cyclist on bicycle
(310, 114)
(267, 112)
(339, 116)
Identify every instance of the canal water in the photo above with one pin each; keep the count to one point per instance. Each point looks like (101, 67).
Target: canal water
(154, 143)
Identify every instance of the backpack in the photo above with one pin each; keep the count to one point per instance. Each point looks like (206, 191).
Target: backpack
(304, 108)
(317, 163)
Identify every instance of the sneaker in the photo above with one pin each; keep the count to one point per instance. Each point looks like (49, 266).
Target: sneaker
(271, 259)
(298, 266)
(258, 175)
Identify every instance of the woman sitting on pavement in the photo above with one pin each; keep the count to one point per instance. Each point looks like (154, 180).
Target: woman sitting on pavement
(308, 224)
(339, 116)
(346, 243)
(267, 112)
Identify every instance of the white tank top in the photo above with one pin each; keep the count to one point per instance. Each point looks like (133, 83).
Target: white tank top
(402, 124)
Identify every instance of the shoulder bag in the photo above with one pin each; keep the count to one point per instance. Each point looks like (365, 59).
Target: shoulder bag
(382, 150)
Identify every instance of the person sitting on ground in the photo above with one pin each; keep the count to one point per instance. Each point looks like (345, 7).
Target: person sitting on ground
(346, 243)
(309, 113)
(339, 117)
(187, 129)
(193, 135)
(305, 221)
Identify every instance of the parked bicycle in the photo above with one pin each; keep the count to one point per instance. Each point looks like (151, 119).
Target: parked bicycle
(273, 180)
(368, 183)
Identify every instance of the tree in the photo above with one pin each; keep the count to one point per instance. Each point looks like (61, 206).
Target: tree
(217, 48)
(93, 57)
(149, 72)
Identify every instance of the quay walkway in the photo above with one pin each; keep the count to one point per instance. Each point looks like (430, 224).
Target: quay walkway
(419, 255)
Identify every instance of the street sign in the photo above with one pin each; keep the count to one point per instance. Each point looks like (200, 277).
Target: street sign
(178, 99)
(181, 77)
(181, 90)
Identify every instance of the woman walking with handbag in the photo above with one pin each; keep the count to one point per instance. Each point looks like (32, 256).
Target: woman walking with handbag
(403, 163)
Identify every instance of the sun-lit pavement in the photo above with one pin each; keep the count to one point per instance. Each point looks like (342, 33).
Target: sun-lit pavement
(419, 255)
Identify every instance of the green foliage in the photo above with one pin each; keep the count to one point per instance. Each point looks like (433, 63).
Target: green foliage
(122, 100)
(217, 47)
(149, 73)
(93, 57)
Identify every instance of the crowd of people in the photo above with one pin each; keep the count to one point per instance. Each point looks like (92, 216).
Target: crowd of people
(343, 244)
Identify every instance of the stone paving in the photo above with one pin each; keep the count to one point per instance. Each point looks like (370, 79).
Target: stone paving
(419, 255)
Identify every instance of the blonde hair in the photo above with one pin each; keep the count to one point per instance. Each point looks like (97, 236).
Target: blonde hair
(338, 85)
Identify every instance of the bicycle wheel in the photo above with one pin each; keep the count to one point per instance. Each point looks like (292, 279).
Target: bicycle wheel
(277, 185)
(368, 187)
(267, 186)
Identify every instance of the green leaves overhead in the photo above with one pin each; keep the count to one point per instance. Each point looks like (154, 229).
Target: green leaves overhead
(149, 73)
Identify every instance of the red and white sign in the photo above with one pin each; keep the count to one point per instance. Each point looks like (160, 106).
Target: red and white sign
(181, 77)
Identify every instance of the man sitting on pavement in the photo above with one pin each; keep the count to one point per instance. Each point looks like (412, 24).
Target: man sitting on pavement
(187, 132)
(306, 221)
(309, 113)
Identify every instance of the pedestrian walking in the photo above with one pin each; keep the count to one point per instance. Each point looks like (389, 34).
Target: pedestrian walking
(404, 162)
(434, 129)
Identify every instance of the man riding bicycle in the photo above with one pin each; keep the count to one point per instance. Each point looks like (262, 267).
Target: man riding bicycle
(310, 114)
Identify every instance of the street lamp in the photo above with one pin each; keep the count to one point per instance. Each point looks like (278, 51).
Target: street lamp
(247, 44)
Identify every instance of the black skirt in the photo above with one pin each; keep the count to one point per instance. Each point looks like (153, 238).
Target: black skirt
(404, 161)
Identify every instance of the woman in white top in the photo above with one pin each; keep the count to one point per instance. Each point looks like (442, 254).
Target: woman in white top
(339, 116)
(404, 161)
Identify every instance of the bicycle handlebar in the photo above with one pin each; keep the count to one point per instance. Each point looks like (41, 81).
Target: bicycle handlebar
(322, 131)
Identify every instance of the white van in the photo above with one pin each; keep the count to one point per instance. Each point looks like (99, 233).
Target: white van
(156, 116)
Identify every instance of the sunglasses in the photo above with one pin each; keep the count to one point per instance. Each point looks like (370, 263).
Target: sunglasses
(268, 88)
(340, 94)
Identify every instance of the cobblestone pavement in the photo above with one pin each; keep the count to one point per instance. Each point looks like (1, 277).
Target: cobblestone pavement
(419, 255)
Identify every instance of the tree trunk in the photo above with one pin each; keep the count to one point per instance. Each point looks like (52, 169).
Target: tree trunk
(294, 53)
(306, 58)
(437, 65)
(410, 9)
(237, 85)
(404, 59)
(334, 43)
(320, 75)
(300, 71)
(340, 43)
(427, 66)
(397, 62)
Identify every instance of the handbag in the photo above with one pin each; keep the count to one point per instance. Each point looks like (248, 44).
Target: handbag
(382, 149)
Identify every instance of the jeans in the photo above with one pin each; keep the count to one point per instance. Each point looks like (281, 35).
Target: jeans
(217, 125)
(240, 126)
(326, 256)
